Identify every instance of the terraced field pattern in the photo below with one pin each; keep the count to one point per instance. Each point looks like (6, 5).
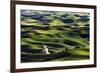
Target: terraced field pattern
(65, 34)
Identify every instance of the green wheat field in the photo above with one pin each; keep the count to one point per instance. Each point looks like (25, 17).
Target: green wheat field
(65, 35)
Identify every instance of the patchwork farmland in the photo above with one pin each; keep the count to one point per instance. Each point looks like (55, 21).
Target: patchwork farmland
(65, 35)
